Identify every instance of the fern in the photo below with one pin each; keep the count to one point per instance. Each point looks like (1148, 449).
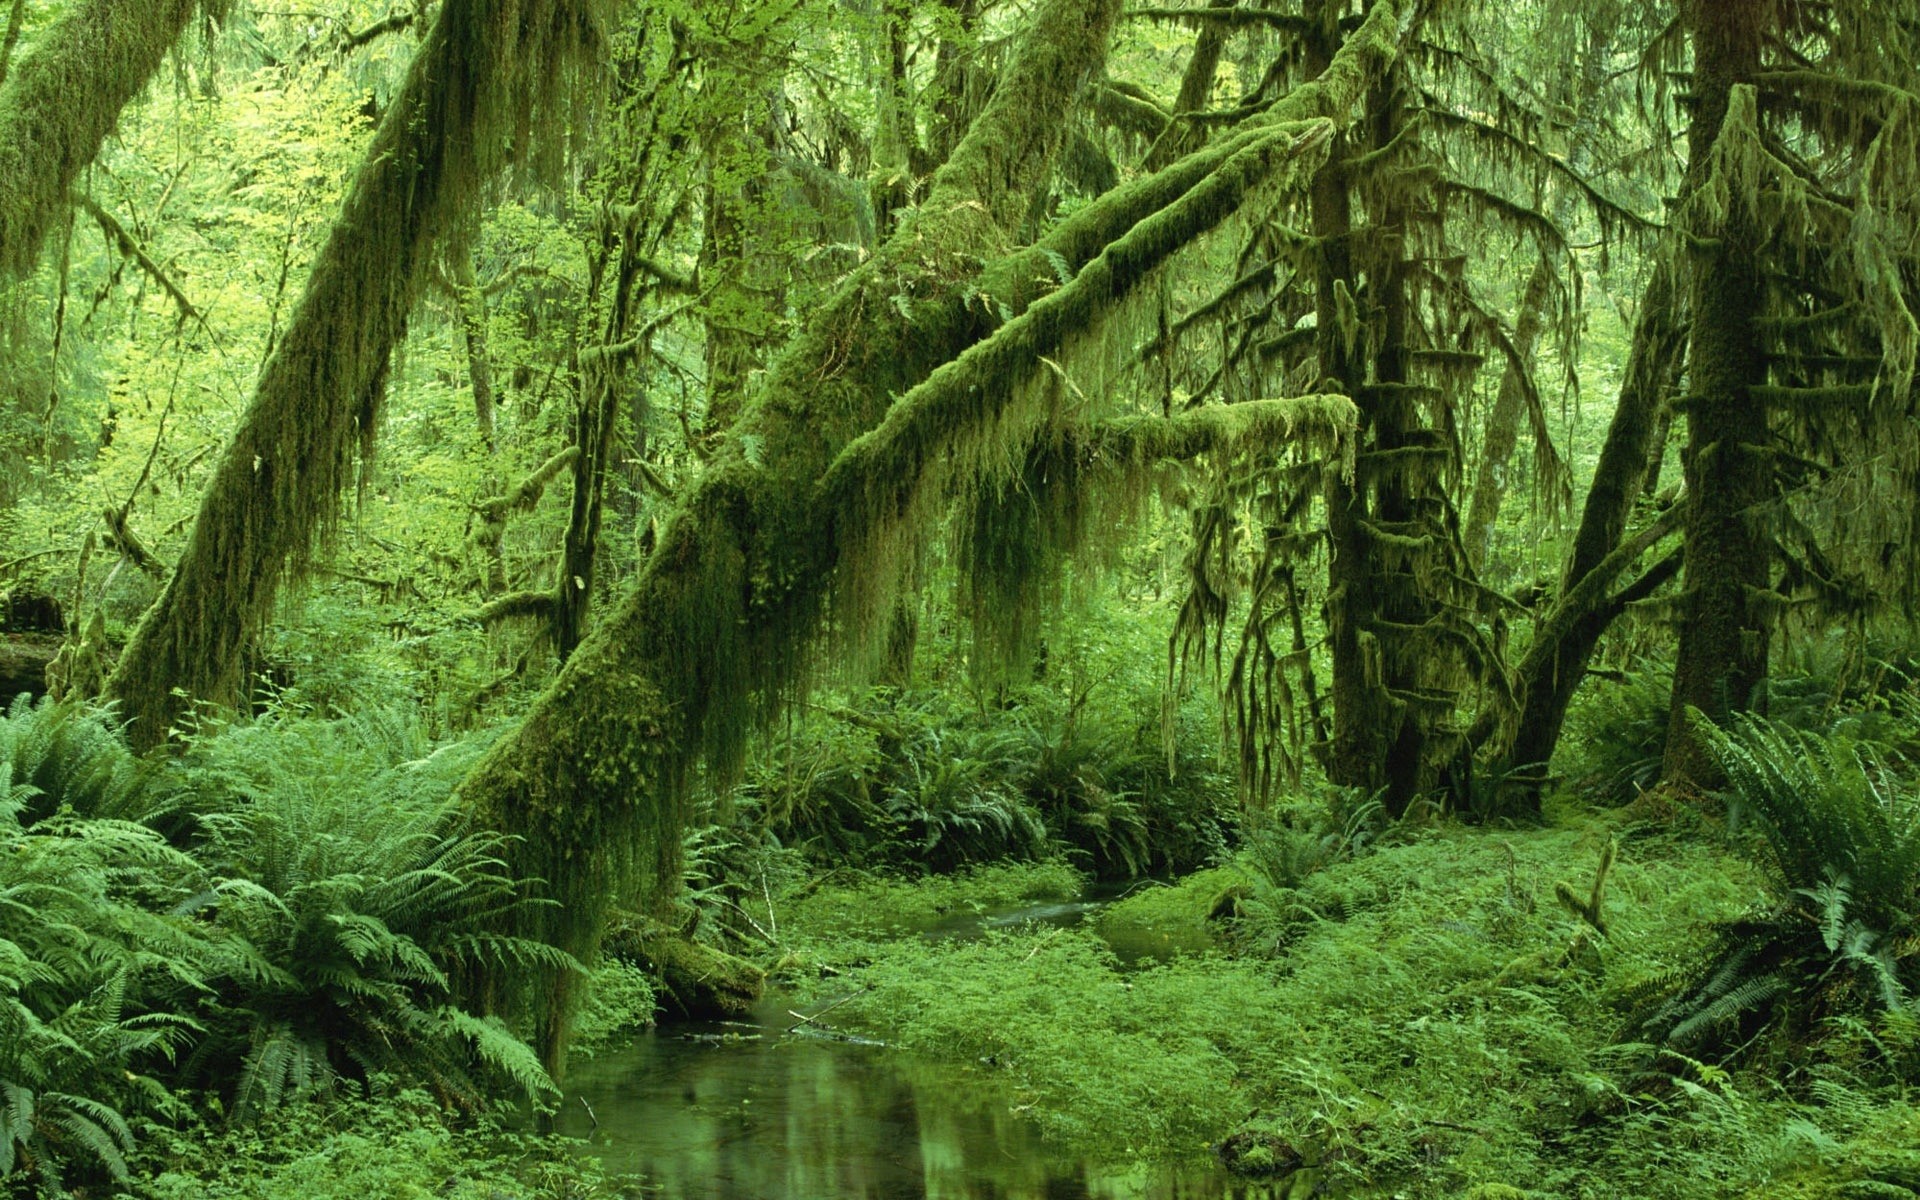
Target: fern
(352, 899)
(1843, 844)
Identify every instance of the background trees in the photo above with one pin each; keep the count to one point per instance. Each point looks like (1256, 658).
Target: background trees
(667, 361)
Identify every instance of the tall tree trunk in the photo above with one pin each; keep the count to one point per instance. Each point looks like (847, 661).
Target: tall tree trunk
(488, 74)
(1723, 637)
(826, 464)
(1563, 646)
(61, 101)
(1358, 748)
(1503, 423)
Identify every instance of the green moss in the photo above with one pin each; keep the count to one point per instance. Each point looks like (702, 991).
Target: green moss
(62, 100)
(879, 905)
(1161, 921)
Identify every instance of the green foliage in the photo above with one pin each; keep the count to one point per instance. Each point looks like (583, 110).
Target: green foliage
(1617, 731)
(1841, 835)
(305, 924)
(339, 866)
(1433, 1024)
(920, 781)
(92, 963)
(394, 1143)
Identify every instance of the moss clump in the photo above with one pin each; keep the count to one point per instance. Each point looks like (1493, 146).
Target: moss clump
(1181, 919)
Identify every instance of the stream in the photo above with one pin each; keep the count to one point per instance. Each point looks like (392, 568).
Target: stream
(761, 1110)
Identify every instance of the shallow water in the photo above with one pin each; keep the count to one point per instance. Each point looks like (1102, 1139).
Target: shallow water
(765, 1110)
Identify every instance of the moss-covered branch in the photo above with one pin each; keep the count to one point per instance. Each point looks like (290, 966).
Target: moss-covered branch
(488, 72)
(62, 99)
(1221, 429)
(718, 625)
(130, 248)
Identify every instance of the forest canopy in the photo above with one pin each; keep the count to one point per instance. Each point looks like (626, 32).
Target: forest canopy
(897, 436)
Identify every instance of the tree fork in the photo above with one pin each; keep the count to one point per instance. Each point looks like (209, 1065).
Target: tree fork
(1563, 646)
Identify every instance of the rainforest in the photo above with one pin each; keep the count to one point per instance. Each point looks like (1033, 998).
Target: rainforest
(1119, 599)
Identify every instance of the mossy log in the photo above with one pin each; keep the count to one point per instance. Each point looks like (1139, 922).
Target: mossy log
(23, 663)
(696, 982)
(62, 99)
(488, 72)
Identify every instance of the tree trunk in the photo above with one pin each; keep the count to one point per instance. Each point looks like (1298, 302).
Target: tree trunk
(1722, 659)
(1503, 423)
(1556, 662)
(61, 101)
(488, 73)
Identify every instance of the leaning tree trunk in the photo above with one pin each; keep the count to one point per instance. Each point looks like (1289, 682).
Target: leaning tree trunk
(1556, 662)
(61, 101)
(827, 481)
(1723, 634)
(490, 73)
(1503, 423)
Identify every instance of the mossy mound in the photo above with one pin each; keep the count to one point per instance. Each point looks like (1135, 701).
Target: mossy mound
(1183, 918)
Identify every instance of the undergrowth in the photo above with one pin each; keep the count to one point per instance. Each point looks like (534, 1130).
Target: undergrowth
(281, 910)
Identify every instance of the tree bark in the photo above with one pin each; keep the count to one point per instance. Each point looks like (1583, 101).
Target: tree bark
(487, 73)
(1722, 660)
(61, 101)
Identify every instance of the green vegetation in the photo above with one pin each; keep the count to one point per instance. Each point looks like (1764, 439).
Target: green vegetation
(1304, 596)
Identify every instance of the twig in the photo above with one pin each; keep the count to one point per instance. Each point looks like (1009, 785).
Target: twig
(804, 1019)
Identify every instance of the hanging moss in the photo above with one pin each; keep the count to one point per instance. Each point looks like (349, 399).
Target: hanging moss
(62, 99)
(489, 73)
(718, 628)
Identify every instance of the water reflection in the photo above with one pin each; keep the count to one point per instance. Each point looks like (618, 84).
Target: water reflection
(710, 1112)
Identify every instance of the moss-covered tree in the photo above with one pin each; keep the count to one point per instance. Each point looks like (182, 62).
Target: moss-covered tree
(903, 389)
(1797, 208)
(488, 75)
(60, 101)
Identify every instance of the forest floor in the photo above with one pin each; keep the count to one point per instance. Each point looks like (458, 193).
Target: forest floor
(1428, 1018)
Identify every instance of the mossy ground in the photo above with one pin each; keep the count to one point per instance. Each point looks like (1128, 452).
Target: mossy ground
(1427, 1019)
